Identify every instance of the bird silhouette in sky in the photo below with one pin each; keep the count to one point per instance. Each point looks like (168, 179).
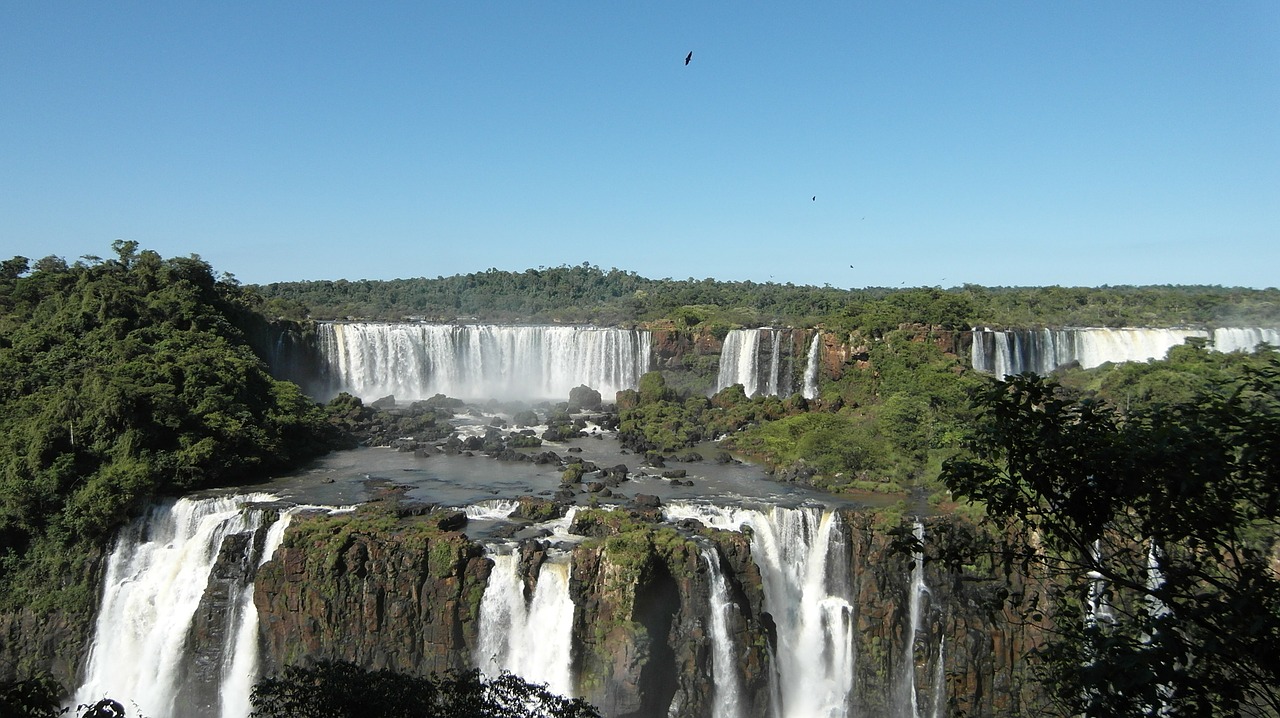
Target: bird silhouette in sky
(688, 57)
(815, 198)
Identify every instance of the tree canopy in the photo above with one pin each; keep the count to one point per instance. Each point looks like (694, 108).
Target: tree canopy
(338, 689)
(121, 380)
(1155, 531)
(586, 294)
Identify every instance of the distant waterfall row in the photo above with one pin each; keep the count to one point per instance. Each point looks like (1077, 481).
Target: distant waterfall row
(153, 645)
(1016, 351)
(764, 362)
(417, 361)
(414, 361)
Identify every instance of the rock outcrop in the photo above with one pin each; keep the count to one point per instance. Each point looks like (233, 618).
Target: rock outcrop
(400, 593)
(381, 592)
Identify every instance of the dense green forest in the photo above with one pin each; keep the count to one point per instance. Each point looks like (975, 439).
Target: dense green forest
(589, 294)
(121, 380)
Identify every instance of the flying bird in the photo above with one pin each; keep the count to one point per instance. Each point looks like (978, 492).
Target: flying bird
(815, 198)
(688, 57)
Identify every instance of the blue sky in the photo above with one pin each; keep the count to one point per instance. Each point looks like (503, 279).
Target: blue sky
(1030, 143)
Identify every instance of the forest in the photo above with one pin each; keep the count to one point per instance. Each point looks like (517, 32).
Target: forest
(589, 294)
(125, 379)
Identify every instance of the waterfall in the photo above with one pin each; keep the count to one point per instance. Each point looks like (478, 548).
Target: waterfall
(417, 361)
(910, 698)
(939, 689)
(811, 368)
(1238, 339)
(740, 361)
(724, 666)
(156, 576)
(738, 356)
(1098, 605)
(491, 509)
(531, 637)
(1041, 351)
(1156, 610)
(772, 389)
(165, 571)
(242, 669)
(801, 557)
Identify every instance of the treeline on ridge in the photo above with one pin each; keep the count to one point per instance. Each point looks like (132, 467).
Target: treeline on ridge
(589, 294)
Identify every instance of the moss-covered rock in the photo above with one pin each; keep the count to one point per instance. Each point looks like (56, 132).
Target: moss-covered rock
(374, 589)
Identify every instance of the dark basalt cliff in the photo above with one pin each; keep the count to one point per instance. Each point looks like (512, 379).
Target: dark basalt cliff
(404, 594)
(33, 642)
(382, 593)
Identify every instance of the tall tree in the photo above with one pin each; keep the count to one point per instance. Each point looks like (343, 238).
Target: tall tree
(1155, 532)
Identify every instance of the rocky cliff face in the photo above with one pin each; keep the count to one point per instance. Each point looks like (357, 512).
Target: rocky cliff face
(968, 650)
(33, 642)
(381, 592)
(405, 595)
(643, 595)
(52, 641)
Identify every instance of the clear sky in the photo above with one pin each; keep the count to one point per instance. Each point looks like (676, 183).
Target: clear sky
(1031, 143)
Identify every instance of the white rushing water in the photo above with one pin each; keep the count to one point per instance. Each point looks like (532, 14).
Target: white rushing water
(1098, 603)
(738, 356)
(939, 689)
(531, 638)
(910, 698)
(801, 557)
(744, 360)
(491, 509)
(774, 363)
(241, 666)
(156, 575)
(724, 666)
(1042, 350)
(417, 361)
(811, 367)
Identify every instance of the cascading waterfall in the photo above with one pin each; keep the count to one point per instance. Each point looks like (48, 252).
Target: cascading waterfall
(773, 363)
(241, 669)
(158, 573)
(801, 557)
(939, 689)
(1157, 610)
(491, 509)
(532, 637)
(724, 671)
(1098, 606)
(417, 361)
(1041, 351)
(738, 356)
(156, 576)
(1244, 339)
(741, 361)
(910, 698)
(811, 368)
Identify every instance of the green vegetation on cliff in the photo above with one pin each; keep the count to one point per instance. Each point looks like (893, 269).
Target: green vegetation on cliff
(121, 380)
(899, 407)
